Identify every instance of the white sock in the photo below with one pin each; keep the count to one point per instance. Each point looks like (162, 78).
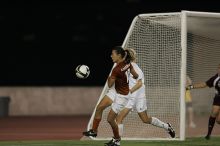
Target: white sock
(120, 129)
(156, 122)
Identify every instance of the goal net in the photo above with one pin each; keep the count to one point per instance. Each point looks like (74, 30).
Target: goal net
(168, 46)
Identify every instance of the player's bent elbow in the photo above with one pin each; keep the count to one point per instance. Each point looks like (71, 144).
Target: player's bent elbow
(136, 76)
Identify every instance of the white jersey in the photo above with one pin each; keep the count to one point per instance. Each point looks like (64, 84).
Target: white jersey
(140, 93)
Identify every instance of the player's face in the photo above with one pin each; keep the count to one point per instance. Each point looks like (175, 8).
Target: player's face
(115, 57)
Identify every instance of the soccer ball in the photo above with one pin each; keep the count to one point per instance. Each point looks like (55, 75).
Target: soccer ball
(82, 71)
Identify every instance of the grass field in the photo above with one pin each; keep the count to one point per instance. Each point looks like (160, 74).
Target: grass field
(215, 141)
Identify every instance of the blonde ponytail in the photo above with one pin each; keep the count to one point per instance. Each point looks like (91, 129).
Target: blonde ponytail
(132, 53)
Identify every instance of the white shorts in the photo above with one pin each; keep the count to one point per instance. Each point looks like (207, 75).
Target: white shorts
(111, 94)
(120, 102)
(138, 104)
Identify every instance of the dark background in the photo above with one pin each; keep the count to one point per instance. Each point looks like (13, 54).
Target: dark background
(43, 41)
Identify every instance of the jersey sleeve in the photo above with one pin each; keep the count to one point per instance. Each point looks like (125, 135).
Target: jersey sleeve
(210, 81)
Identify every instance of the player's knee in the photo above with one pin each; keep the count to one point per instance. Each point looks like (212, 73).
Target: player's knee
(146, 121)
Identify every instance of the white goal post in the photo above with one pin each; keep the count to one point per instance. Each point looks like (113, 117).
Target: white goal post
(169, 46)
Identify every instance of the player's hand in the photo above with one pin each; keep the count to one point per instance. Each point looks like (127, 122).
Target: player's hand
(189, 87)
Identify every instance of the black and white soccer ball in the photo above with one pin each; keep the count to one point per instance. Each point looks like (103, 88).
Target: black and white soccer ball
(82, 71)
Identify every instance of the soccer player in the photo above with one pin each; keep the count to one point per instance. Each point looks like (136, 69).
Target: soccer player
(214, 81)
(137, 101)
(107, 99)
(189, 107)
(119, 76)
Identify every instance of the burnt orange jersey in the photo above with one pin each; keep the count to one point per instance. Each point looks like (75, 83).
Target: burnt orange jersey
(120, 73)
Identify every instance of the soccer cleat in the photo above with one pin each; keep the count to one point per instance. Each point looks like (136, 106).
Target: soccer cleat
(207, 137)
(110, 143)
(171, 131)
(90, 133)
(113, 142)
(116, 142)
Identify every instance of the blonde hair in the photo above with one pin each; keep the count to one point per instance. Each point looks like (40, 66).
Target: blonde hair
(132, 53)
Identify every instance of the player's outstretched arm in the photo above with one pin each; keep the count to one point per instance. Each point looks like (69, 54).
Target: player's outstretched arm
(196, 86)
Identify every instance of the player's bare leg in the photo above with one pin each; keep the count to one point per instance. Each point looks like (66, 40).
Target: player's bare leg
(191, 117)
(105, 102)
(120, 118)
(111, 120)
(212, 118)
(146, 119)
(156, 122)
